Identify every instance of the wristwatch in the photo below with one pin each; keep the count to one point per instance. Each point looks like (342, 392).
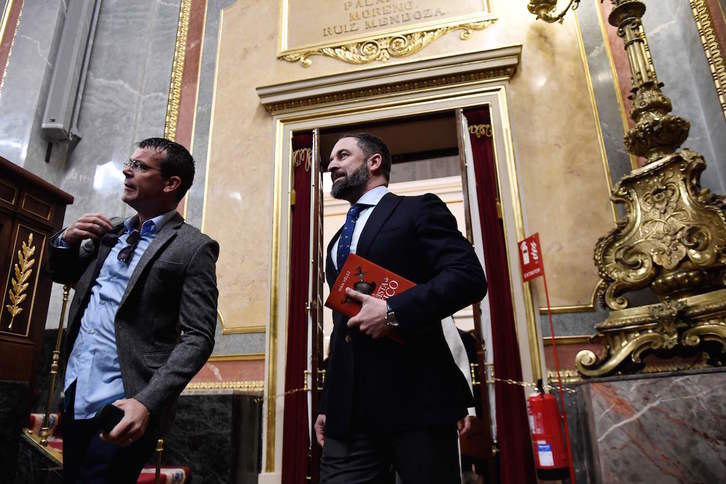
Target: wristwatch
(391, 320)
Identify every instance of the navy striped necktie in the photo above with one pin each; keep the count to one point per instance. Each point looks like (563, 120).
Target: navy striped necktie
(346, 235)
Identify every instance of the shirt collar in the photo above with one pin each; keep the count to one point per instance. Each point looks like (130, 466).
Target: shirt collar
(373, 196)
(151, 226)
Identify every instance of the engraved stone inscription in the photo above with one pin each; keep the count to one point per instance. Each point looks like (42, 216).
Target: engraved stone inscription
(335, 21)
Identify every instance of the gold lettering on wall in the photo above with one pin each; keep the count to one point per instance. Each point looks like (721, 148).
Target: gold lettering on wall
(361, 31)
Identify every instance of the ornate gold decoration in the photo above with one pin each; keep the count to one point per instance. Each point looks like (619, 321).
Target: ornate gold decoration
(246, 386)
(177, 70)
(547, 9)
(569, 377)
(390, 89)
(54, 370)
(383, 48)
(711, 46)
(672, 239)
(480, 130)
(303, 155)
(23, 269)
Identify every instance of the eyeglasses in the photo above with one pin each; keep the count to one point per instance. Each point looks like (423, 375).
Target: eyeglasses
(138, 166)
(127, 252)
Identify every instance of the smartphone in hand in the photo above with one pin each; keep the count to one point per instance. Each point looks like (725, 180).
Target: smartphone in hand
(109, 417)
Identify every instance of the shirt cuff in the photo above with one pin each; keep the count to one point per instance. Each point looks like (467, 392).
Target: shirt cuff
(59, 243)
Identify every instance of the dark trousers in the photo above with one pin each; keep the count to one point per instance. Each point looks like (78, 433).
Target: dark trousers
(419, 456)
(89, 460)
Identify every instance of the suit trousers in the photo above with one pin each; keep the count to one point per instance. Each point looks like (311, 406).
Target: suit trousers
(419, 456)
(89, 460)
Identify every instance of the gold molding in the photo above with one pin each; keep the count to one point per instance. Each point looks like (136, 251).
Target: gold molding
(177, 70)
(709, 39)
(389, 89)
(258, 328)
(3, 27)
(383, 48)
(568, 340)
(577, 308)
(240, 357)
(256, 386)
(569, 376)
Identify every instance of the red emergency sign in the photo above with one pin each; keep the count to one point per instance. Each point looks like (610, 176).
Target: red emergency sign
(530, 257)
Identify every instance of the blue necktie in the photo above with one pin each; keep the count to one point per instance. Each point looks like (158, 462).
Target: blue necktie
(346, 235)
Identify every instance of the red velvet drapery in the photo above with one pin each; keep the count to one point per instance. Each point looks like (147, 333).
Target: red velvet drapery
(296, 441)
(516, 460)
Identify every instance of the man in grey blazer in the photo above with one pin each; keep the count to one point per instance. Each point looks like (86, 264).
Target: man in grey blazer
(142, 320)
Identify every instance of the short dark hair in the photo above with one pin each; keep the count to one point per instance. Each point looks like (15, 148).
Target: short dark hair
(372, 144)
(177, 162)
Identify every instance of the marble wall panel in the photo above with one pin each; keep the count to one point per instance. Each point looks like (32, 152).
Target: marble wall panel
(681, 64)
(667, 428)
(27, 76)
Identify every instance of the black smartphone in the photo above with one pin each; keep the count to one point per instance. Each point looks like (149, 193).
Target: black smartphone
(109, 417)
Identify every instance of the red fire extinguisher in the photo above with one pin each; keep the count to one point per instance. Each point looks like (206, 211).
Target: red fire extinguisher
(545, 425)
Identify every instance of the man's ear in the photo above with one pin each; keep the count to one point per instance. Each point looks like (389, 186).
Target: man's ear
(374, 163)
(172, 183)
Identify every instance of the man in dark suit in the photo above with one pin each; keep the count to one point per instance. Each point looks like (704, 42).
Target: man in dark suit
(393, 393)
(142, 320)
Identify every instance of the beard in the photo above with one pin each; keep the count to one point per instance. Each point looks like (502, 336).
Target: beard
(351, 184)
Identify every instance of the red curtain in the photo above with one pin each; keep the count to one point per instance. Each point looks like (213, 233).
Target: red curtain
(296, 441)
(516, 459)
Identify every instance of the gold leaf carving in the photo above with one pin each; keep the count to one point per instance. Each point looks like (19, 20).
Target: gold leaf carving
(383, 48)
(709, 39)
(22, 272)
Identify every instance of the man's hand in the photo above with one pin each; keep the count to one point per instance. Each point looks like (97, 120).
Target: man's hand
(132, 427)
(464, 425)
(320, 429)
(371, 319)
(90, 225)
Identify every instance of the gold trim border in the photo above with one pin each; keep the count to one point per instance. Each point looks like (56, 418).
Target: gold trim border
(177, 70)
(3, 27)
(240, 357)
(418, 86)
(256, 386)
(568, 340)
(714, 56)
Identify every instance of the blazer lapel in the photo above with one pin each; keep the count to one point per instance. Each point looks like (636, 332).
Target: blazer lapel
(330, 271)
(167, 232)
(380, 214)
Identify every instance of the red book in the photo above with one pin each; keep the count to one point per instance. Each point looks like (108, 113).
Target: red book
(366, 277)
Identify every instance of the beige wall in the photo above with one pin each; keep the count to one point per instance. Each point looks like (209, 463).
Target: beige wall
(563, 183)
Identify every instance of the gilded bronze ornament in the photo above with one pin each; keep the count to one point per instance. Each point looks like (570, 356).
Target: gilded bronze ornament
(672, 239)
(383, 48)
(23, 269)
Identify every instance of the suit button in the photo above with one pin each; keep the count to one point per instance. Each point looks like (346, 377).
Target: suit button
(347, 338)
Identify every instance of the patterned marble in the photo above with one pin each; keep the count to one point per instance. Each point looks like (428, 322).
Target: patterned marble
(656, 428)
(22, 99)
(13, 403)
(218, 436)
(681, 64)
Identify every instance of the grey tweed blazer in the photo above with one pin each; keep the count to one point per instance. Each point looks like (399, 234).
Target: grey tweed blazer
(166, 320)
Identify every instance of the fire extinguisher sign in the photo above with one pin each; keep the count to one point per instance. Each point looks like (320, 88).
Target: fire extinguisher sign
(530, 257)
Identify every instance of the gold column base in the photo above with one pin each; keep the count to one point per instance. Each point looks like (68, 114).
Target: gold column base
(680, 326)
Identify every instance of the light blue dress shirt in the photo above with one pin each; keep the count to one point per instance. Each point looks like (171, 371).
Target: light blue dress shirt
(93, 363)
